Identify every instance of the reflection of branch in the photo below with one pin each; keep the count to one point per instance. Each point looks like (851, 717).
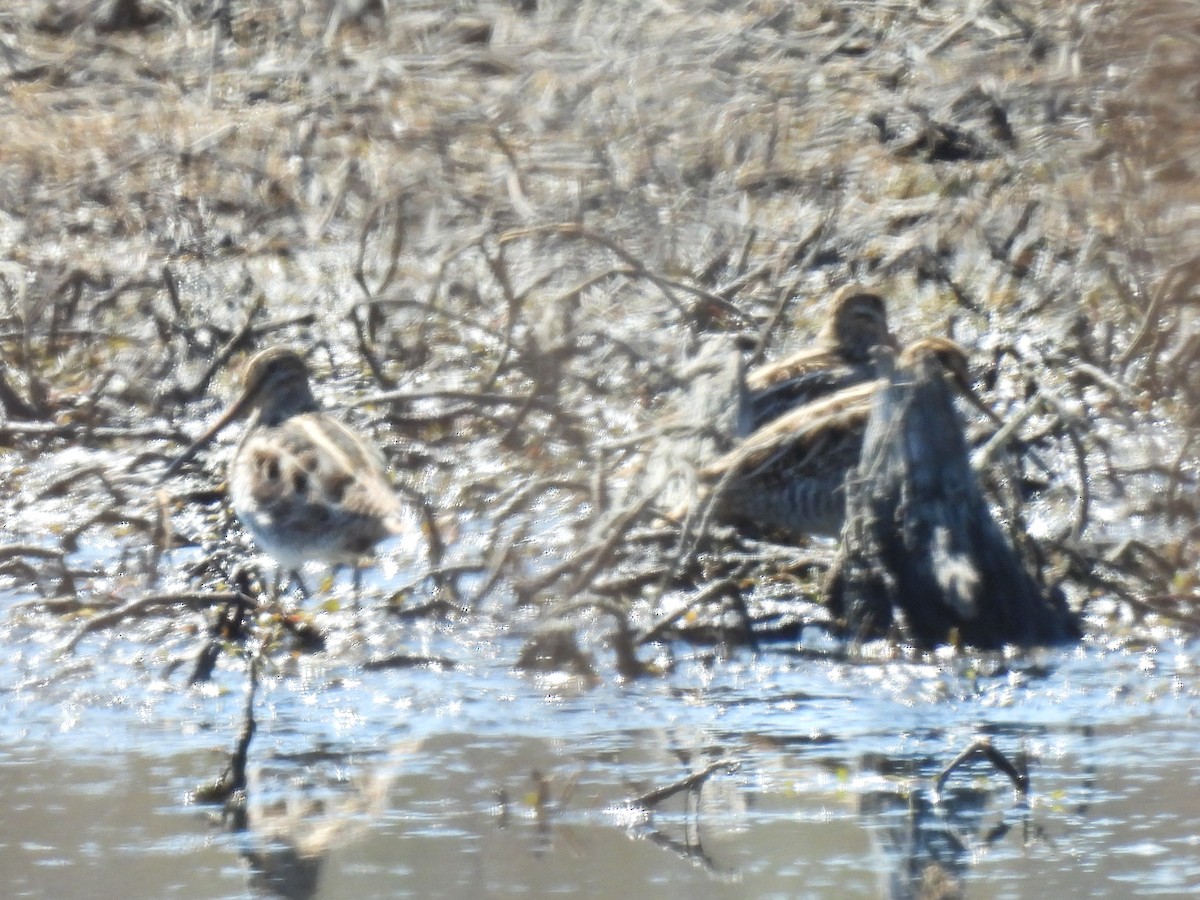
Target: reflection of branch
(690, 847)
(984, 747)
(229, 788)
(237, 762)
(686, 849)
(690, 783)
(930, 840)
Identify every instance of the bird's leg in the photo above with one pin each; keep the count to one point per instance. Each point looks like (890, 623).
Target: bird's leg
(300, 627)
(356, 583)
(294, 579)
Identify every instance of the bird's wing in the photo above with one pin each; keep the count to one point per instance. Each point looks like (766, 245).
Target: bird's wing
(319, 462)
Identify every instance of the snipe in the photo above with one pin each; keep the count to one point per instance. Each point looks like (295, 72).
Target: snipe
(306, 487)
(839, 357)
(788, 475)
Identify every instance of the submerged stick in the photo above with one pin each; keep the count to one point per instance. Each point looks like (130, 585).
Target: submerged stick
(985, 748)
(689, 783)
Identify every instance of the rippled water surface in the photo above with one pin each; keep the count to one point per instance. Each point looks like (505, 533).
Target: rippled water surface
(478, 781)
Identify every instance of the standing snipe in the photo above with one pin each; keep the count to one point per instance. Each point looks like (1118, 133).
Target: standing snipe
(840, 356)
(307, 487)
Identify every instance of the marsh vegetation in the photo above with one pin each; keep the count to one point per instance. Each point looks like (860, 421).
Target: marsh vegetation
(501, 232)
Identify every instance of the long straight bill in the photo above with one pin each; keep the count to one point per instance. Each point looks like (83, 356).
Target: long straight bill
(233, 412)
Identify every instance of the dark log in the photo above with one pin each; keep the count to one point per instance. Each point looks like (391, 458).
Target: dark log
(919, 536)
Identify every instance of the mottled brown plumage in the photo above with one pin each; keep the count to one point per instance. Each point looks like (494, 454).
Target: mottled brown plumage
(788, 475)
(307, 487)
(839, 357)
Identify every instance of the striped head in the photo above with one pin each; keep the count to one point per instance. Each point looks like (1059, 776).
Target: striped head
(931, 356)
(856, 323)
(275, 386)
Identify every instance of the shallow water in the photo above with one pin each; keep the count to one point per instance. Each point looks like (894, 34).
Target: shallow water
(477, 781)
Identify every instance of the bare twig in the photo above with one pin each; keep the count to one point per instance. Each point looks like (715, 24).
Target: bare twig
(692, 782)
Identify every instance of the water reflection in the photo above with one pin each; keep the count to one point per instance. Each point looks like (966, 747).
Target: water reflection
(926, 834)
(760, 779)
(293, 814)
